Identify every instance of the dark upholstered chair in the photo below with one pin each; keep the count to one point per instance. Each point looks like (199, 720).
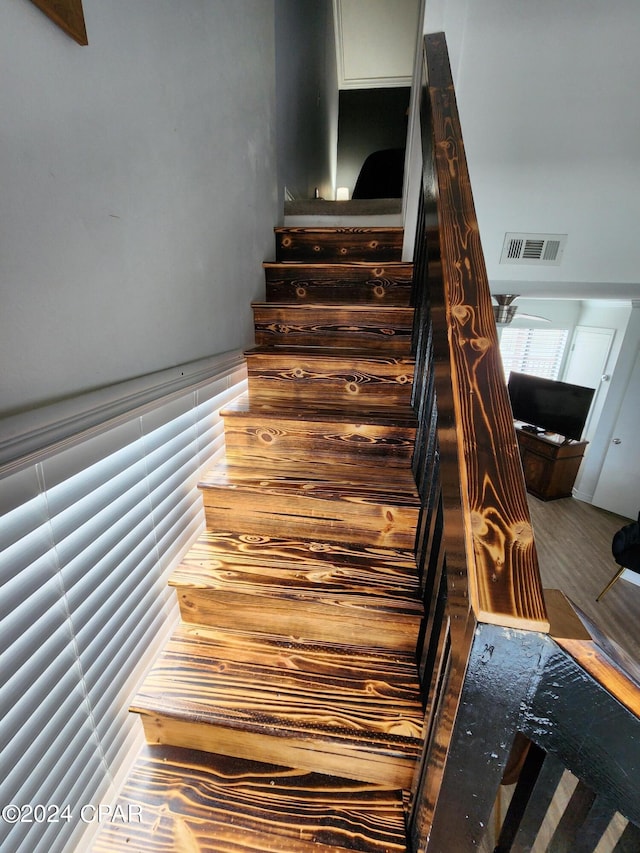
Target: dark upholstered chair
(626, 552)
(381, 175)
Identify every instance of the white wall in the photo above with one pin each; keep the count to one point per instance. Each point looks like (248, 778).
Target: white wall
(549, 108)
(307, 98)
(139, 189)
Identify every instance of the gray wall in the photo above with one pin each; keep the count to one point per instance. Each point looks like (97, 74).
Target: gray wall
(139, 189)
(307, 97)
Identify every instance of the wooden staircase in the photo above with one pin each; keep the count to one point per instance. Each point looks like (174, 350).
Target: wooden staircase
(284, 713)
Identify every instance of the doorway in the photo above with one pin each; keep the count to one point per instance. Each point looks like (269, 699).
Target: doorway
(618, 488)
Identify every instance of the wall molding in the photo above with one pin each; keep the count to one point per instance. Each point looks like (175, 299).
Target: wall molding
(32, 435)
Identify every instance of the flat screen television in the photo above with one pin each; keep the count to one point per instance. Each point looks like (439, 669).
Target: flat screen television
(549, 405)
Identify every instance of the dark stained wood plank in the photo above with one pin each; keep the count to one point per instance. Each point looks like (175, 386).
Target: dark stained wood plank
(402, 416)
(315, 590)
(341, 376)
(376, 283)
(195, 801)
(338, 503)
(504, 582)
(381, 330)
(302, 434)
(304, 565)
(327, 708)
(338, 244)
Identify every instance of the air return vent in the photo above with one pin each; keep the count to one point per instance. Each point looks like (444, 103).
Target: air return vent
(540, 249)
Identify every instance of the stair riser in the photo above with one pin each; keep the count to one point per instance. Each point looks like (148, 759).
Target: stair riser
(370, 284)
(338, 245)
(348, 621)
(262, 512)
(307, 380)
(374, 331)
(292, 440)
(352, 762)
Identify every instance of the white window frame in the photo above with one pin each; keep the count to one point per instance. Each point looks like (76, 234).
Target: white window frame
(538, 352)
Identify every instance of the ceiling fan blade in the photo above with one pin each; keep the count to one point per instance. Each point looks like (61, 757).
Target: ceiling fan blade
(520, 316)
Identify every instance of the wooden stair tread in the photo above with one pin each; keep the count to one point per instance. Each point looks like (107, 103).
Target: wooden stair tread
(401, 311)
(336, 699)
(295, 568)
(337, 354)
(399, 415)
(341, 266)
(329, 481)
(327, 230)
(196, 801)
(309, 588)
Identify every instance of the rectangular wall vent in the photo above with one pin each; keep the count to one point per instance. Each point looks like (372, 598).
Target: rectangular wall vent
(541, 249)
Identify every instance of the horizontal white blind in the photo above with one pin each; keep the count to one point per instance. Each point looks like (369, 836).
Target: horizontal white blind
(538, 352)
(87, 539)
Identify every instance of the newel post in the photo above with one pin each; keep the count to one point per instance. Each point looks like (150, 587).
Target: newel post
(503, 671)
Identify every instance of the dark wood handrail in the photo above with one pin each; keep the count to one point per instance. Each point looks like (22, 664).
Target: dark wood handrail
(501, 561)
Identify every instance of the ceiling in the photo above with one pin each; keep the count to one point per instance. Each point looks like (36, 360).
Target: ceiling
(375, 42)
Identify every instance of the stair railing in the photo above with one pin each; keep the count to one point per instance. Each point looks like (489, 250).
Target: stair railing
(490, 657)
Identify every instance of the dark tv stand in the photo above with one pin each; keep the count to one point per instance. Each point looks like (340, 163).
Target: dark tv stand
(550, 463)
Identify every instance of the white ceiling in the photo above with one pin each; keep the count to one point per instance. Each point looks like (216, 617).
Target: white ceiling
(375, 42)
(549, 98)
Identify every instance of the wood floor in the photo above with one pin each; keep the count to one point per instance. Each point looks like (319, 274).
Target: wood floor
(573, 540)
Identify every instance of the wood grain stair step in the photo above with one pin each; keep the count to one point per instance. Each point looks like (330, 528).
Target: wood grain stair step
(324, 591)
(341, 376)
(190, 800)
(339, 244)
(386, 330)
(364, 282)
(372, 505)
(325, 708)
(302, 433)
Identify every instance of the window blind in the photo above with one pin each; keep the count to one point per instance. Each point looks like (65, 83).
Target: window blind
(88, 537)
(538, 352)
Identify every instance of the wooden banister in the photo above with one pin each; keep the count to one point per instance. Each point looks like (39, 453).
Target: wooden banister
(504, 581)
(494, 670)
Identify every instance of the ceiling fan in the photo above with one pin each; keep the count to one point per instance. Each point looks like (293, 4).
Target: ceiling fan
(505, 311)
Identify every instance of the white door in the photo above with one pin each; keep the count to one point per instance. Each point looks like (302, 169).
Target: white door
(586, 364)
(618, 488)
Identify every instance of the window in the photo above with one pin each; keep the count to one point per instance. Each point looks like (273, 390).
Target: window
(535, 351)
(88, 537)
